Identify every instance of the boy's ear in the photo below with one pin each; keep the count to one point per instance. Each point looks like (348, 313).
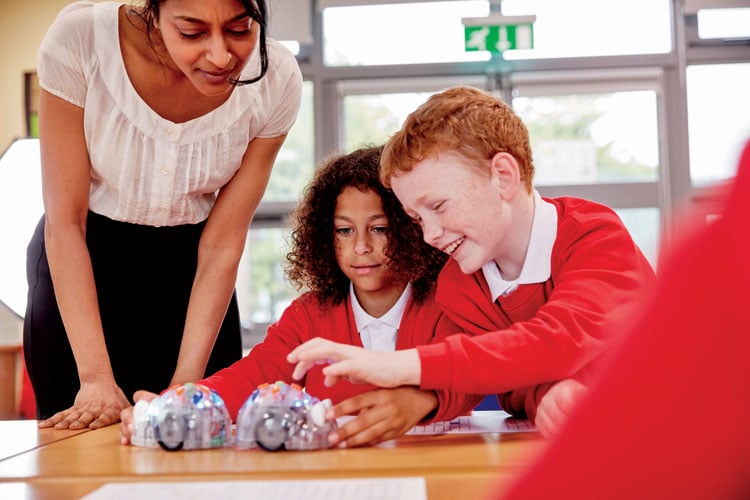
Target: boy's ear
(506, 174)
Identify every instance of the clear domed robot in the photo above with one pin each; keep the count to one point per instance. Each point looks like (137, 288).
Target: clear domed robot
(283, 416)
(186, 417)
(192, 416)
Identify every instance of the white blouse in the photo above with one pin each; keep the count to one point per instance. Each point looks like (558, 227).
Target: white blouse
(146, 169)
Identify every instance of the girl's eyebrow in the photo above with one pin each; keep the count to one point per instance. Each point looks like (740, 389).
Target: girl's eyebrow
(369, 219)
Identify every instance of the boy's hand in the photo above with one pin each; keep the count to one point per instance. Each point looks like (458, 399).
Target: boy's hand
(384, 369)
(126, 416)
(381, 415)
(557, 404)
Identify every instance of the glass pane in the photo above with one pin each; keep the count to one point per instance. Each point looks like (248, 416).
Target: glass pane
(398, 34)
(20, 209)
(578, 28)
(263, 291)
(590, 138)
(296, 160)
(724, 23)
(643, 224)
(718, 119)
(372, 119)
(392, 34)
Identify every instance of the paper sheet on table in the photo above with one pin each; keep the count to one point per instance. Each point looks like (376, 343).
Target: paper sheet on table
(396, 488)
(479, 422)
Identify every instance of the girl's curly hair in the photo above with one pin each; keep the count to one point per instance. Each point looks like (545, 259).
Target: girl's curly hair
(312, 264)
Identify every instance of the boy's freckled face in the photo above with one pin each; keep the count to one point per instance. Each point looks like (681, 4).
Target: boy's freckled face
(361, 236)
(459, 209)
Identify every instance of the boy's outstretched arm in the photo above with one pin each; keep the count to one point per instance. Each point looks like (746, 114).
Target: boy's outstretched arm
(384, 369)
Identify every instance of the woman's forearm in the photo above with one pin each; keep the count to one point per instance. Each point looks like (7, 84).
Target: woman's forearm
(209, 299)
(219, 253)
(75, 291)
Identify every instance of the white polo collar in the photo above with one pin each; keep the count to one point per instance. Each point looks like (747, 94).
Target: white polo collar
(538, 263)
(392, 318)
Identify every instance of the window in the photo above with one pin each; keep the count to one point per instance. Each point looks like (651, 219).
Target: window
(581, 28)
(394, 33)
(20, 210)
(295, 162)
(263, 291)
(724, 23)
(586, 144)
(644, 226)
(602, 91)
(372, 118)
(718, 119)
(590, 138)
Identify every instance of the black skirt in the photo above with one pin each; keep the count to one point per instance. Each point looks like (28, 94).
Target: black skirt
(143, 276)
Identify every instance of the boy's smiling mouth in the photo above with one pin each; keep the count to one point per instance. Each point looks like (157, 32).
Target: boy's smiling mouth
(449, 249)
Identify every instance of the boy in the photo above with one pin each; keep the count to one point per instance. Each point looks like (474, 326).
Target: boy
(686, 352)
(530, 281)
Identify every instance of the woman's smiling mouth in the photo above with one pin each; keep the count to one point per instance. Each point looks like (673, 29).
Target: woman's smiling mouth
(216, 77)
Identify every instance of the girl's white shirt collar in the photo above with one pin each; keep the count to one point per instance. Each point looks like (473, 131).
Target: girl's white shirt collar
(379, 333)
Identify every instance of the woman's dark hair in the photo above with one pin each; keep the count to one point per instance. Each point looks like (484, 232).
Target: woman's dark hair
(312, 260)
(256, 9)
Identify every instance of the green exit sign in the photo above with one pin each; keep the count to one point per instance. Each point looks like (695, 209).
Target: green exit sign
(497, 33)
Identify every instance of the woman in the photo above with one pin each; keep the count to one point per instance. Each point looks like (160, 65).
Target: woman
(156, 146)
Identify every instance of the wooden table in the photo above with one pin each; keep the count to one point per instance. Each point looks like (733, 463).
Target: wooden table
(454, 466)
(19, 436)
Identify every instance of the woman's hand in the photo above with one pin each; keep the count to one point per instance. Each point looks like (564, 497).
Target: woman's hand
(381, 415)
(97, 404)
(127, 423)
(358, 365)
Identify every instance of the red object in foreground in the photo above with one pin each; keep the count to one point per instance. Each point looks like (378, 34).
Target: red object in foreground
(669, 416)
(27, 406)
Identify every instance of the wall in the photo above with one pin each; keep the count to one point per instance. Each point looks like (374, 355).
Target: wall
(10, 326)
(22, 27)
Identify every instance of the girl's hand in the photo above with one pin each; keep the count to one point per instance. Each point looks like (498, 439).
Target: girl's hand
(127, 423)
(382, 414)
(97, 404)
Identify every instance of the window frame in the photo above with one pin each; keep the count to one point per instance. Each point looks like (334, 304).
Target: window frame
(666, 73)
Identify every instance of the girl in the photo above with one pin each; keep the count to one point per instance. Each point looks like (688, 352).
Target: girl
(370, 283)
